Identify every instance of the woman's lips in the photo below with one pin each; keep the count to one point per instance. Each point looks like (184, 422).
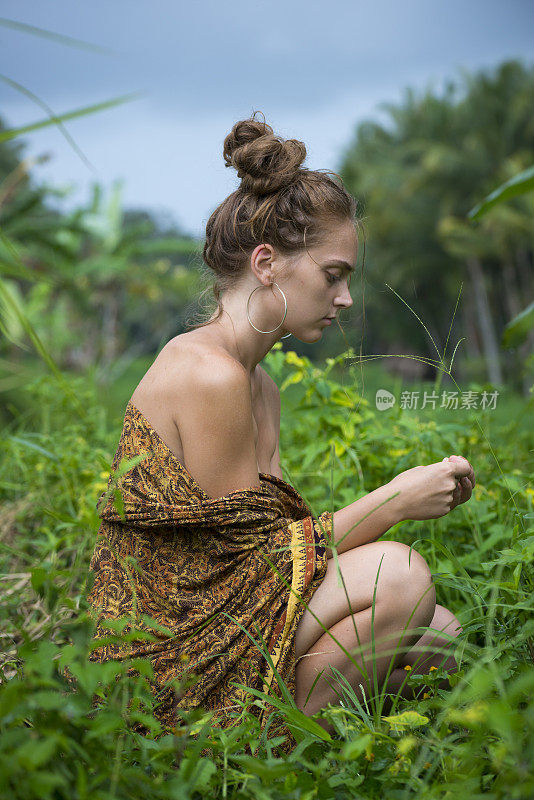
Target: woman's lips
(327, 320)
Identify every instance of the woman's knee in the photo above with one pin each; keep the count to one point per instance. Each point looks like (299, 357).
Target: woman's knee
(387, 573)
(437, 647)
(407, 581)
(446, 623)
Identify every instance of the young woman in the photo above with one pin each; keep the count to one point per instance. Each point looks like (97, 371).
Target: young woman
(282, 247)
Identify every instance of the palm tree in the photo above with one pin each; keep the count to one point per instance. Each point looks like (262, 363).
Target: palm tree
(420, 174)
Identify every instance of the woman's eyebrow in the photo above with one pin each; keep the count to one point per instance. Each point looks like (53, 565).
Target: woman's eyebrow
(338, 262)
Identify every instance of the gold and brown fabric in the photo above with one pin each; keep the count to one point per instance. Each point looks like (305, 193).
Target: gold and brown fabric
(217, 574)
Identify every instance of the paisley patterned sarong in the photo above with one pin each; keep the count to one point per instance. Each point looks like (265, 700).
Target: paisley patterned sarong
(217, 574)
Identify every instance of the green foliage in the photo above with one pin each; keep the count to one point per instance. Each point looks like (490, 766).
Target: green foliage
(518, 328)
(519, 184)
(62, 742)
(416, 177)
(55, 742)
(67, 279)
(72, 728)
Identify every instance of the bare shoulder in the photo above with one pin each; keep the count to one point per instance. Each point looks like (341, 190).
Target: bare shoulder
(212, 410)
(209, 387)
(199, 400)
(184, 364)
(185, 349)
(203, 367)
(180, 375)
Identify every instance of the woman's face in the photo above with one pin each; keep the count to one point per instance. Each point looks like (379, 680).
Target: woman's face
(318, 283)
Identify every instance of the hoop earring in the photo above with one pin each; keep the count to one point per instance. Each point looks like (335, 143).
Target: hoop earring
(283, 318)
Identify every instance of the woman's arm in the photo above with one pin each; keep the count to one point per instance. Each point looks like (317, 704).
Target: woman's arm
(366, 519)
(423, 492)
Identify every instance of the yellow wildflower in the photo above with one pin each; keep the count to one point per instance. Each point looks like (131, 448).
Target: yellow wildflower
(432, 668)
(407, 668)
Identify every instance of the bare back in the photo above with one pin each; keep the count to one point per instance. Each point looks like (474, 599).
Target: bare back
(167, 390)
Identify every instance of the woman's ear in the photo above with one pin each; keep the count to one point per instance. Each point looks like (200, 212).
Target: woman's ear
(261, 262)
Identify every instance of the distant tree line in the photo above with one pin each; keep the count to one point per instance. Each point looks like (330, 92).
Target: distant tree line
(416, 177)
(102, 283)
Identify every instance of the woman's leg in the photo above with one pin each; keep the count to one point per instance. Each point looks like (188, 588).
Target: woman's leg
(431, 650)
(404, 600)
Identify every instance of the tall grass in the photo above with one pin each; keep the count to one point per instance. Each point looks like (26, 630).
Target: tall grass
(475, 737)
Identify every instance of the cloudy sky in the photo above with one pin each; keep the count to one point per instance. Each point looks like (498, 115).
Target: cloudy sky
(315, 69)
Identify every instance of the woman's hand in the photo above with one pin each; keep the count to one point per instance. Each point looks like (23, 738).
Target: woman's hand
(464, 487)
(429, 492)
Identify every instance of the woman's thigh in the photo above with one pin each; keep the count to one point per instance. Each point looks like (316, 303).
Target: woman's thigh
(403, 578)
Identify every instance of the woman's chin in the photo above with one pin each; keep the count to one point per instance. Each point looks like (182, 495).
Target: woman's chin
(307, 334)
(308, 337)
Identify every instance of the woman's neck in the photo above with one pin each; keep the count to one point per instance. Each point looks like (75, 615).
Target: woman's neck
(235, 334)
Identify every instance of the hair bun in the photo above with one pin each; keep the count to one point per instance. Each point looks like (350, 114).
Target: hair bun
(264, 162)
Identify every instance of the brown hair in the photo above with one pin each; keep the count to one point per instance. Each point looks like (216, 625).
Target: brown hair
(278, 201)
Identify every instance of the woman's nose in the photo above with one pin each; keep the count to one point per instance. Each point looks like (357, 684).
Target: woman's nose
(345, 299)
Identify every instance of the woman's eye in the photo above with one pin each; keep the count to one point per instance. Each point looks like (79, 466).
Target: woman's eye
(333, 278)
